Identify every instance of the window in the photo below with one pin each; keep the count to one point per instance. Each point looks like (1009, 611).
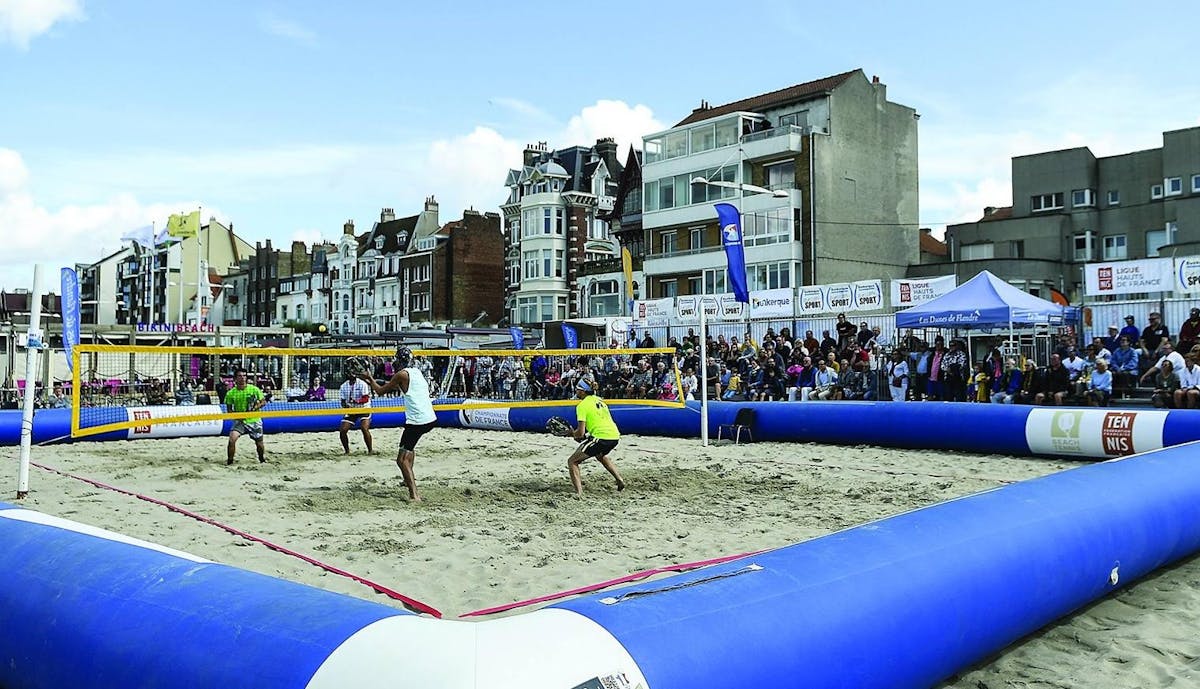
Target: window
(668, 288)
(547, 220)
(677, 144)
(693, 285)
(974, 252)
(1083, 246)
(714, 281)
(283, 312)
(727, 133)
(651, 151)
(530, 260)
(767, 227)
(696, 240)
(1114, 248)
(547, 267)
(1174, 186)
(1157, 239)
(1016, 248)
(781, 175)
(651, 197)
(704, 138)
(1046, 202)
(1081, 198)
(795, 119)
(1196, 184)
(769, 275)
(1114, 197)
(299, 312)
(560, 263)
(1156, 191)
(668, 242)
(559, 224)
(703, 193)
(605, 299)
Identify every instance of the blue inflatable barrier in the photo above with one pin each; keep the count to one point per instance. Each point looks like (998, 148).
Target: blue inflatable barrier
(901, 602)
(989, 428)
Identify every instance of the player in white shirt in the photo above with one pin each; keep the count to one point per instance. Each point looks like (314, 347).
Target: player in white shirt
(355, 394)
(419, 416)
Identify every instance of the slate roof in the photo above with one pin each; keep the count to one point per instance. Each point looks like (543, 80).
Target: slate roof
(390, 231)
(773, 99)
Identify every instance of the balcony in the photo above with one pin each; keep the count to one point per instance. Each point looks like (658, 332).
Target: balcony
(772, 142)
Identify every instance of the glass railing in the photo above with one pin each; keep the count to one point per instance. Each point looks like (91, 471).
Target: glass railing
(773, 132)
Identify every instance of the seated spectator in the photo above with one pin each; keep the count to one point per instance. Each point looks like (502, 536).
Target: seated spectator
(1099, 387)
(856, 384)
(733, 389)
(1005, 390)
(689, 384)
(316, 390)
(185, 394)
(1188, 394)
(1167, 354)
(1033, 384)
(804, 379)
(1058, 384)
(1125, 367)
(1166, 384)
(825, 382)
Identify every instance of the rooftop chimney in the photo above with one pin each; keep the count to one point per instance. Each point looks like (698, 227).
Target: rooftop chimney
(988, 211)
(348, 228)
(431, 204)
(874, 79)
(387, 215)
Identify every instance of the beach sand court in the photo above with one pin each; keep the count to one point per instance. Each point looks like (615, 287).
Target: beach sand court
(499, 523)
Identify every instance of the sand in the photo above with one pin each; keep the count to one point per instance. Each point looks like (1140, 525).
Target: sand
(499, 524)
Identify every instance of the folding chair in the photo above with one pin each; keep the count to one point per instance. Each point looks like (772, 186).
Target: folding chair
(742, 422)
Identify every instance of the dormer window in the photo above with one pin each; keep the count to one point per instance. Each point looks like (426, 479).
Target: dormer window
(403, 237)
(379, 243)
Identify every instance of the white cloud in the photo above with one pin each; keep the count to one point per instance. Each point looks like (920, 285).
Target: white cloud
(23, 20)
(286, 28)
(611, 118)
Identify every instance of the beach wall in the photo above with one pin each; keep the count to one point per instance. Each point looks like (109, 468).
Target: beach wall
(900, 602)
(990, 428)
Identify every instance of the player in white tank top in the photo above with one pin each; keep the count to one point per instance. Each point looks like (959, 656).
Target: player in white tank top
(419, 417)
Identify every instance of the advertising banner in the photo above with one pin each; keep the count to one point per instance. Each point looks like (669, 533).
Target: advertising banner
(812, 300)
(687, 309)
(1187, 275)
(868, 295)
(914, 292)
(839, 297)
(1128, 277)
(654, 311)
(773, 303)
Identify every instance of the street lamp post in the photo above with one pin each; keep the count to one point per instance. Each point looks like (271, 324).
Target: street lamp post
(742, 188)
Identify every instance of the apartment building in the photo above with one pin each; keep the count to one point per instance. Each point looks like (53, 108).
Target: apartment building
(1070, 208)
(833, 166)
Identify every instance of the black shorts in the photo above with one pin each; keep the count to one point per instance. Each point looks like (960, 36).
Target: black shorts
(595, 447)
(408, 441)
(354, 419)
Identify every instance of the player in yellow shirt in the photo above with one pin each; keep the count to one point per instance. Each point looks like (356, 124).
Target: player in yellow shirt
(598, 433)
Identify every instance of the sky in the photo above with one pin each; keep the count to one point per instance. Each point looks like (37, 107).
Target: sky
(287, 119)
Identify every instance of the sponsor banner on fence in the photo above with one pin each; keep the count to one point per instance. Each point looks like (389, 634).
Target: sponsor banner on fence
(914, 292)
(773, 303)
(1187, 275)
(179, 429)
(868, 295)
(812, 300)
(839, 297)
(731, 308)
(687, 309)
(1089, 433)
(493, 419)
(711, 306)
(1128, 277)
(654, 311)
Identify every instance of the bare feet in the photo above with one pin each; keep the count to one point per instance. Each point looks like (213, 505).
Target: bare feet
(620, 486)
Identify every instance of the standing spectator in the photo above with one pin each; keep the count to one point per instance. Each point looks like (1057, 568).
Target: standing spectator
(647, 341)
(1113, 340)
(845, 332)
(897, 375)
(1099, 386)
(918, 365)
(981, 384)
(936, 389)
(954, 372)
(1189, 332)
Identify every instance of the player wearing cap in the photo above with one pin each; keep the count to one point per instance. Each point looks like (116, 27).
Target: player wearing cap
(419, 417)
(598, 433)
(355, 395)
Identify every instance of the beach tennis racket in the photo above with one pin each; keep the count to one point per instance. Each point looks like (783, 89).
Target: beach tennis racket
(557, 425)
(355, 366)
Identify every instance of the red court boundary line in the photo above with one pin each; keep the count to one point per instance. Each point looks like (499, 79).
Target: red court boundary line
(410, 603)
(611, 582)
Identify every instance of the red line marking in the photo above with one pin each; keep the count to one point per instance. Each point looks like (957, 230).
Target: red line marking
(410, 603)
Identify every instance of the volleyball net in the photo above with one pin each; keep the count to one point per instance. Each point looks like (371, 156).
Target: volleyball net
(118, 387)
